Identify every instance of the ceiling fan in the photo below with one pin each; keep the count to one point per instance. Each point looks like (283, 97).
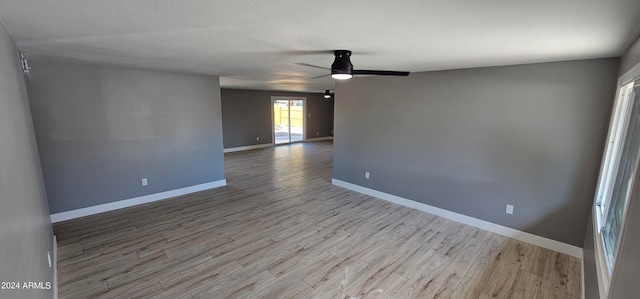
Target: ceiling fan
(341, 68)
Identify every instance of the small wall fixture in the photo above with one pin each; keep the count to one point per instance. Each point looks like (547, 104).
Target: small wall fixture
(327, 94)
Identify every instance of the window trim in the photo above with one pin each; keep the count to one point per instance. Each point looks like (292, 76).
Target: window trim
(616, 136)
(604, 279)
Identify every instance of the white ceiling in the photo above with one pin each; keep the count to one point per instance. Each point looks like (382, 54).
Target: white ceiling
(257, 44)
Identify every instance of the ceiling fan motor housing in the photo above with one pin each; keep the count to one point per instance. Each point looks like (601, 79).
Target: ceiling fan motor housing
(342, 63)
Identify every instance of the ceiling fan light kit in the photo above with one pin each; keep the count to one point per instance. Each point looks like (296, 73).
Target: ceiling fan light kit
(341, 76)
(342, 69)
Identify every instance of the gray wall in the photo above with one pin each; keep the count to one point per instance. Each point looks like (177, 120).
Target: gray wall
(101, 129)
(631, 57)
(25, 227)
(473, 140)
(246, 114)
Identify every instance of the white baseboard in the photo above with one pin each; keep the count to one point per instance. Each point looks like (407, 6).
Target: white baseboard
(246, 148)
(486, 225)
(318, 139)
(125, 203)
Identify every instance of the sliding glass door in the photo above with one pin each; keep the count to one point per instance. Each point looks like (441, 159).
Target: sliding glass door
(288, 119)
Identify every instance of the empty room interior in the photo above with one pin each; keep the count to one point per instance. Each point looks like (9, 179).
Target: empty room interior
(319, 149)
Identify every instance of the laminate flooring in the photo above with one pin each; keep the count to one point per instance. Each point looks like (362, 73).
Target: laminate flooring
(279, 229)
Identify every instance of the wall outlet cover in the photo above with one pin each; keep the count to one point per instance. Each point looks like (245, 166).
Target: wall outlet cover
(509, 209)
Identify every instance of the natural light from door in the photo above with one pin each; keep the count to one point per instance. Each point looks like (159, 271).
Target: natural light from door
(288, 120)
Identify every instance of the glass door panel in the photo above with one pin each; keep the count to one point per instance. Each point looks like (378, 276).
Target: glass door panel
(281, 121)
(296, 119)
(288, 120)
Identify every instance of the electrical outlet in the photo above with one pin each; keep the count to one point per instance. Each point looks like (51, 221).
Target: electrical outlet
(509, 210)
(317, 133)
(309, 114)
(366, 175)
(257, 138)
(145, 182)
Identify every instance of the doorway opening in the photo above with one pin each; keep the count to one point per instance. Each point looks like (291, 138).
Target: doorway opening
(288, 119)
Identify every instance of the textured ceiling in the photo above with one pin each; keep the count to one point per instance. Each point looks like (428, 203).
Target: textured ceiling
(258, 44)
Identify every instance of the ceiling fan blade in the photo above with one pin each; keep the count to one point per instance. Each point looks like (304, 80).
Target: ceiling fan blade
(311, 65)
(380, 73)
(318, 77)
(306, 52)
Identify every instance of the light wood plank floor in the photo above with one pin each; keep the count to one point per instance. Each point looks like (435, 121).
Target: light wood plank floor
(279, 229)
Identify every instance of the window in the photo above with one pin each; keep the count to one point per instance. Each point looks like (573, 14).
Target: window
(620, 163)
